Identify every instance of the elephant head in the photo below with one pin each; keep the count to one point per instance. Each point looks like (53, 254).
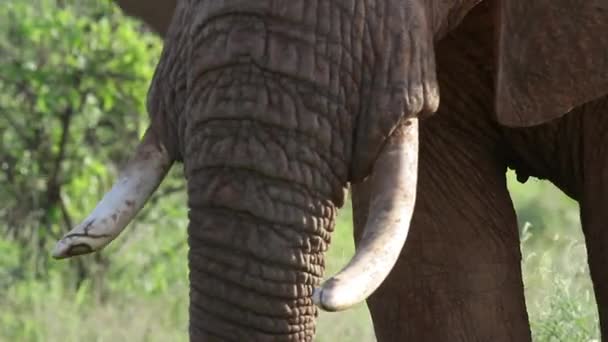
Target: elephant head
(274, 107)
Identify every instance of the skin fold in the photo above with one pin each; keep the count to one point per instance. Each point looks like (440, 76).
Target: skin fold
(275, 107)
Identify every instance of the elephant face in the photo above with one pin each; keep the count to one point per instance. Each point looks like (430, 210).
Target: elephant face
(274, 107)
(382, 52)
(256, 101)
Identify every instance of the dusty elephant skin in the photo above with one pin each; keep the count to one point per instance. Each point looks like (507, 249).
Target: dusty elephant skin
(258, 97)
(275, 106)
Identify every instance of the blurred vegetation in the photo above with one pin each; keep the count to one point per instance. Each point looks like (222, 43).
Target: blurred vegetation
(73, 82)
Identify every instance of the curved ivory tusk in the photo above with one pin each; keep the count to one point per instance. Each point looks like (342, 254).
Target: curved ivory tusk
(393, 194)
(136, 183)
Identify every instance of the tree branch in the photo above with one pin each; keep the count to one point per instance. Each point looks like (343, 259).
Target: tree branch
(53, 186)
(67, 219)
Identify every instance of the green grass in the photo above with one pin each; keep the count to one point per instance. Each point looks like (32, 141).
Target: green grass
(559, 295)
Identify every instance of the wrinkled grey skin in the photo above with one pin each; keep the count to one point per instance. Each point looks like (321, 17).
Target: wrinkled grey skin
(274, 106)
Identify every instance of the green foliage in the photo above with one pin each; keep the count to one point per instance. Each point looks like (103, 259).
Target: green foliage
(559, 294)
(73, 82)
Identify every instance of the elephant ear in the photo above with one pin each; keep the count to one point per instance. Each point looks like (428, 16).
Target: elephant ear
(552, 57)
(156, 13)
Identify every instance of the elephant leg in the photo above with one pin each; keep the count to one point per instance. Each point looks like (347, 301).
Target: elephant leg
(572, 152)
(594, 198)
(459, 275)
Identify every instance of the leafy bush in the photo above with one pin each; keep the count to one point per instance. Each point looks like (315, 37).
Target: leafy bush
(73, 83)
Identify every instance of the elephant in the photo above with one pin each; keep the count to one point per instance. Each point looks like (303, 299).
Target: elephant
(276, 108)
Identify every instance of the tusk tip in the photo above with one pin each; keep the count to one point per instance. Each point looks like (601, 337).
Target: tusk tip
(60, 250)
(317, 295)
(327, 299)
(319, 299)
(64, 249)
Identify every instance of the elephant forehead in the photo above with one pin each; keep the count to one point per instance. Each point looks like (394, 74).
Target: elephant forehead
(317, 15)
(299, 46)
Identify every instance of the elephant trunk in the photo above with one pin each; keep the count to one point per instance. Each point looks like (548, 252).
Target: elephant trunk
(263, 191)
(256, 253)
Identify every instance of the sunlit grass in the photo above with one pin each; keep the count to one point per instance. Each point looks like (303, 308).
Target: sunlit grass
(559, 293)
(44, 316)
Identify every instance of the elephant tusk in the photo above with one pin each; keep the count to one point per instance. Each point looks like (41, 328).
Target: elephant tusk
(393, 195)
(136, 183)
